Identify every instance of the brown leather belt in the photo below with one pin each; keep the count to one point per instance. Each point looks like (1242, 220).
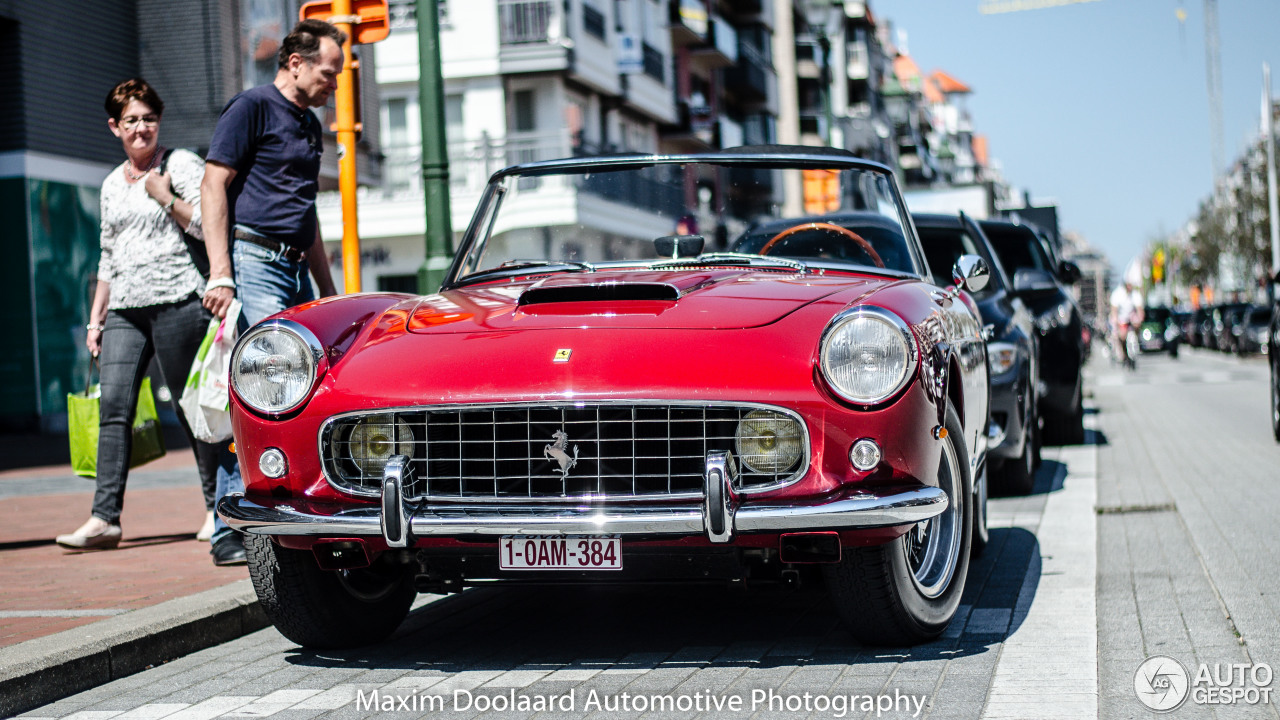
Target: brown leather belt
(289, 252)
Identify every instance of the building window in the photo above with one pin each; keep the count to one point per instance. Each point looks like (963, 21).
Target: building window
(523, 111)
(654, 63)
(593, 21)
(400, 170)
(398, 283)
(264, 23)
(404, 14)
(454, 130)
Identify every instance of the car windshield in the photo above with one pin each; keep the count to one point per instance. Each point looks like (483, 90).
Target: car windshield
(621, 212)
(1017, 248)
(1156, 314)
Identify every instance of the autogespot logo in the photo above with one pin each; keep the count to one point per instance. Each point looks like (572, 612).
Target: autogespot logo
(1161, 683)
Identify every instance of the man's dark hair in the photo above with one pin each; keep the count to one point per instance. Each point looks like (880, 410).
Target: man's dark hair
(305, 40)
(128, 91)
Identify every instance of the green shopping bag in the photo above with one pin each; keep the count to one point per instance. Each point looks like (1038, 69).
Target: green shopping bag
(82, 425)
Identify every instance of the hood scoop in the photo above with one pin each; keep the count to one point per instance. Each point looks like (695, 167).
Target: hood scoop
(608, 291)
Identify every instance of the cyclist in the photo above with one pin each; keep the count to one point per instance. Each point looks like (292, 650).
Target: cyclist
(1126, 317)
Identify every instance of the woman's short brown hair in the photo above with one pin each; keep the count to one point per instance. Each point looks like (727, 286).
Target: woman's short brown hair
(128, 91)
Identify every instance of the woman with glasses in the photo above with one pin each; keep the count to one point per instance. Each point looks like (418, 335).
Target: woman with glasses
(147, 302)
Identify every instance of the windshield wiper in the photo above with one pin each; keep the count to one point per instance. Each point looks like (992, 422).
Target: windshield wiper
(732, 258)
(515, 268)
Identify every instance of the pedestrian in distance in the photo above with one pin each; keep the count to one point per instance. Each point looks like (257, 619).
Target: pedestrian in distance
(147, 302)
(258, 201)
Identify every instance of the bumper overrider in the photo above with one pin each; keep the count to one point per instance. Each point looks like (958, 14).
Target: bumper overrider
(720, 516)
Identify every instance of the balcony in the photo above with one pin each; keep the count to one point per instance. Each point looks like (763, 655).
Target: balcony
(748, 81)
(696, 129)
(721, 50)
(858, 66)
(531, 34)
(688, 21)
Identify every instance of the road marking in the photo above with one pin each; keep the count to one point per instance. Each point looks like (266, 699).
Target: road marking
(1056, 638)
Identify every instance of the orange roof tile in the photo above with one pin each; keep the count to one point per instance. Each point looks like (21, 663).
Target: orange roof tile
(980, 150)
(931, 92)
(906, 69)
(948, 84)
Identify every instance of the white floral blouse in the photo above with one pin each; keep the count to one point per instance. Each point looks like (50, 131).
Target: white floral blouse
(144, 258)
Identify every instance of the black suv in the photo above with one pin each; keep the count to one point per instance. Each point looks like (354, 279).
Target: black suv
(1043, 285)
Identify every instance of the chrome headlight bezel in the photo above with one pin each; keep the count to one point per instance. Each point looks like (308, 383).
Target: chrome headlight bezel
(313, 355)
(1007, 351)
(843, 323)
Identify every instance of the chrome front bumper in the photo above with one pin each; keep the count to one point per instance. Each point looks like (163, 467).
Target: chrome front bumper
(719, 517)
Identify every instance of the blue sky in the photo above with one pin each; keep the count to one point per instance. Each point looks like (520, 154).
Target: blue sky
(1101, 106)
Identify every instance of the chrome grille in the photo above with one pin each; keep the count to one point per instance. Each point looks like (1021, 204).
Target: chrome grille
(509, 452)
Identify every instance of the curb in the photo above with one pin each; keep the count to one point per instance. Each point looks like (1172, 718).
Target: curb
(45, 670)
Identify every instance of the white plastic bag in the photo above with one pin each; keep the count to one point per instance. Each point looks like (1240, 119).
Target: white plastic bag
(206, 400)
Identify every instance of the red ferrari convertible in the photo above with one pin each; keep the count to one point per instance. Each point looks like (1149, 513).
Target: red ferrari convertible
(592, 397)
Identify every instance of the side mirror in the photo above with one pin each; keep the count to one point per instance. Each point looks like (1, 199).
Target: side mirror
(1031, 280)
(971, 273)
(1069, 272)
(679, 246)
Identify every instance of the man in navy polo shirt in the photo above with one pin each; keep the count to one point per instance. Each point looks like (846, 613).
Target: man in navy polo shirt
(257, 201)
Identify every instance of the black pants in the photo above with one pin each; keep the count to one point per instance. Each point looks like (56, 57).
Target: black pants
(172, 333)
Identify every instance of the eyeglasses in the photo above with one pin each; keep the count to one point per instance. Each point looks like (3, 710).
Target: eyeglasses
(130, 122)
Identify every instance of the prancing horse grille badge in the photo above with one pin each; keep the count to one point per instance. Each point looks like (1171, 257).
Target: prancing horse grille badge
(562, 355)
(557, 452)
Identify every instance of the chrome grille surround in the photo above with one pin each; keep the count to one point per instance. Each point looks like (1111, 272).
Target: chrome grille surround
(641, 450)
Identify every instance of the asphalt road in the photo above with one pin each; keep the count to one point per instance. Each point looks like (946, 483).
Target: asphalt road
(1157, 538)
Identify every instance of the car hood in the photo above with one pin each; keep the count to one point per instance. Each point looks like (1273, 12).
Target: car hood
(678, 300)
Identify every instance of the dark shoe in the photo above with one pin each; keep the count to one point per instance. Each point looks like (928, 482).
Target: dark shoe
(228, 550)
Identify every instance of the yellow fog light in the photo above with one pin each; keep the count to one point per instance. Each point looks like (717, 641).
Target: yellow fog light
(769, 442)
(375, 439)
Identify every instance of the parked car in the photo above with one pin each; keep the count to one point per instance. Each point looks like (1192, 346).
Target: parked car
(1253, 330)
(1273, 356)
(1224, 316)
(1044, 286)
(590, 399)
(1203, 320)
(1159, 331)
(1013, 432)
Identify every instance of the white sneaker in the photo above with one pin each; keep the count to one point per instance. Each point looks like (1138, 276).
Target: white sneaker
(206, 531)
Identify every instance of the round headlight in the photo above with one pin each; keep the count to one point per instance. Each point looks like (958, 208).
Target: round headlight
(274, 368)
(867, 355)
(375, 439)
(769, 442)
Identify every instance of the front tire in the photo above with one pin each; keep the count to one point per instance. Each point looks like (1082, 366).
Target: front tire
(1066, 428)
(1275, 396)
(323, 608)
(906, 591)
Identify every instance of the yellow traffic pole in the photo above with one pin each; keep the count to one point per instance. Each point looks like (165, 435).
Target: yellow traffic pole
(346, 129)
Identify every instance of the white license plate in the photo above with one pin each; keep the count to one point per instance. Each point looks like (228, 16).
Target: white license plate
(517, 552)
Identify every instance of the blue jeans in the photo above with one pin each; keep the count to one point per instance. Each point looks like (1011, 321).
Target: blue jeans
(266, 283)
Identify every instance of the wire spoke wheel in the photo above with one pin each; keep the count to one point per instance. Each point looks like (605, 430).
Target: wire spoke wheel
(933, 546)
